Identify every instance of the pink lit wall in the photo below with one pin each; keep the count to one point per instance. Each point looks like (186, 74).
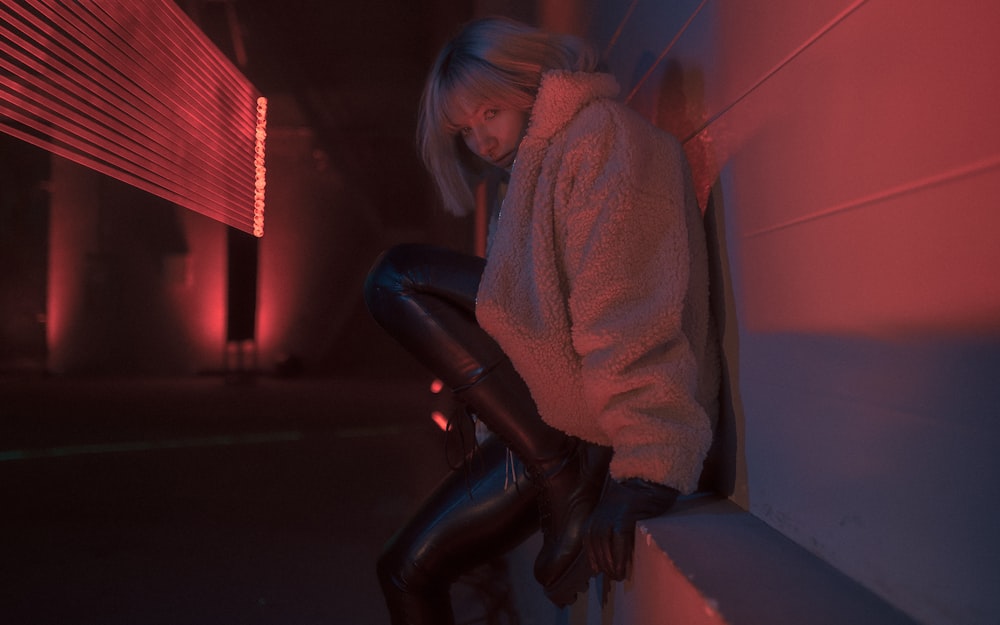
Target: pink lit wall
(136, 286)
(322, 237)
(849, 152)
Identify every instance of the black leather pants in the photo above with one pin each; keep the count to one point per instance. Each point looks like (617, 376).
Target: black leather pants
(425, 298)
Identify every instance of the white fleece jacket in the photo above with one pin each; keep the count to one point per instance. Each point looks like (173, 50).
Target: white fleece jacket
(596, 282)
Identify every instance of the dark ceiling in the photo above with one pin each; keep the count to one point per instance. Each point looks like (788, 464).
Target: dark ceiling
(307, 47)
(349, 71)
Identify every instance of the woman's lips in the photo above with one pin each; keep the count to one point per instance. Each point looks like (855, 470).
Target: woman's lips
(504, 161)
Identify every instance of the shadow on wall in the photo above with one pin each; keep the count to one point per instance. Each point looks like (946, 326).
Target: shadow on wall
(679, 109)
(725, 467)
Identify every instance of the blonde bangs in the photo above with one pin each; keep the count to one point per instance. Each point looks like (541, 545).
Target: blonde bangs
(467, 88)
(492, 61)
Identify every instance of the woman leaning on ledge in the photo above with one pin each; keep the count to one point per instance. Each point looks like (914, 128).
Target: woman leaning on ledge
(583, 341)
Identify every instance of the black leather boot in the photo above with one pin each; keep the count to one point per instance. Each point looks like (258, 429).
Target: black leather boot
(567, 499)
(569, 473)
(425, 298)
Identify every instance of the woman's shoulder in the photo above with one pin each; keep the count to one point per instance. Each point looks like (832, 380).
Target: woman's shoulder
(562, 96)
(610, 125)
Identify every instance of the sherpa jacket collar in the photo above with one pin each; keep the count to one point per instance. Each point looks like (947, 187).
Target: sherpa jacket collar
(561, 95)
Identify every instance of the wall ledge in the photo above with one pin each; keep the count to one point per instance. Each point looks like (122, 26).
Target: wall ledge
(710, 562)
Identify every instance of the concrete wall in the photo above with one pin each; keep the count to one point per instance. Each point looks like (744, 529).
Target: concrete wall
(849, 151)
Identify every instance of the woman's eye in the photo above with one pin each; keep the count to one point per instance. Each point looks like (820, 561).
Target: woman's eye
(490, 114)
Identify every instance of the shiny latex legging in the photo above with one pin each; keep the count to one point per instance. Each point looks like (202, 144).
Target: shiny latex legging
(425, 298)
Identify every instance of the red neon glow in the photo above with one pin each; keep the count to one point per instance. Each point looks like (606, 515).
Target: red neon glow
(190, 299)
(440, 419)
(260, 171)
(137, 92)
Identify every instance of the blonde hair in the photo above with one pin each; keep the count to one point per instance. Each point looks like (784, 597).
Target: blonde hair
(495, 60)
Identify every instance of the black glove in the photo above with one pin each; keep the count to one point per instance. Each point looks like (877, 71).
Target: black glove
(610, 533)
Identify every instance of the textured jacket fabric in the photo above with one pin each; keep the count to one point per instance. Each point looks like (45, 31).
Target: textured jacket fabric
(596, 282)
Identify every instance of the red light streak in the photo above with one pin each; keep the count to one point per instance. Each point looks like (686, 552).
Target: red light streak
(664, 52)
(260, 172)
(621, 27)
(442, 421)
(137, 92)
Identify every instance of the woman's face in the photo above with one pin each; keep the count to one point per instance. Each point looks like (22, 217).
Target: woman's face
(491, 132)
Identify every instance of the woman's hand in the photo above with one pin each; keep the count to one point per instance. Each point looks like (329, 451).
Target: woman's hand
(610, 535)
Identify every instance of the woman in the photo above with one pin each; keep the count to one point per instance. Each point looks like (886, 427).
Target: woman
(583, 341)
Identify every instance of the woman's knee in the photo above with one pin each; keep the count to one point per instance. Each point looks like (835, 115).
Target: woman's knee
(389, 274)
(447, 273)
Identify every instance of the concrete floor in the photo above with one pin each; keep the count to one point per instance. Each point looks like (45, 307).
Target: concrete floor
(200, 502)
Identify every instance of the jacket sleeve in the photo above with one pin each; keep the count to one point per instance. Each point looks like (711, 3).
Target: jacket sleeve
(627, 265)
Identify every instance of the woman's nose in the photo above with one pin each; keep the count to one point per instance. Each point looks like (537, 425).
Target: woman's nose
(485, 142)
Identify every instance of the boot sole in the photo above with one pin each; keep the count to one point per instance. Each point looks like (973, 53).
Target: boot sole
(574, 580)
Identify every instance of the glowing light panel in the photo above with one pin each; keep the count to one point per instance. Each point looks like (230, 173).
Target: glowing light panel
(260, 172)
(136, 91)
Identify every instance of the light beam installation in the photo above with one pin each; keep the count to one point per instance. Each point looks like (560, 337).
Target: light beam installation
(136, 91)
